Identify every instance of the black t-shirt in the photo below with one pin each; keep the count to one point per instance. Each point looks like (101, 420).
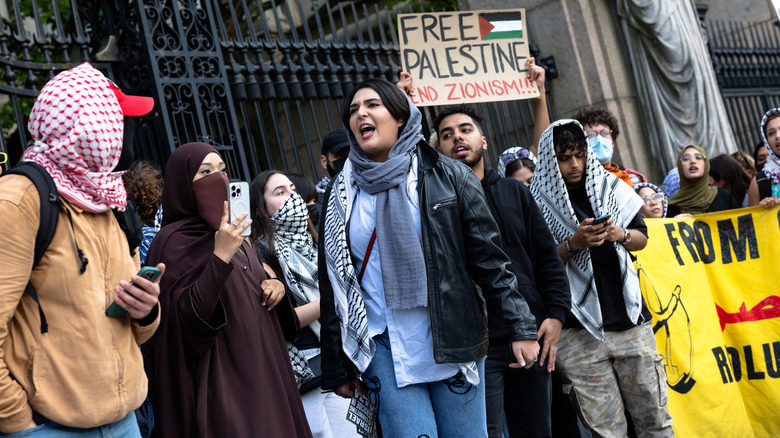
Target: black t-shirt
(606, 271)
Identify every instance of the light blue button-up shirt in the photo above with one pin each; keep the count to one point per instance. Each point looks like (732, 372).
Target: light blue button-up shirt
(409, 330)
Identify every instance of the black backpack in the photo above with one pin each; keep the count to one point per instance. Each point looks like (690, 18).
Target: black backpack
(49, 215)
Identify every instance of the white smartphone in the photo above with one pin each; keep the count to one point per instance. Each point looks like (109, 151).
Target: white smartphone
(238, 203)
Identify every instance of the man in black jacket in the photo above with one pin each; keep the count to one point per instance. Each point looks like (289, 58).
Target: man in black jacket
(524, 394)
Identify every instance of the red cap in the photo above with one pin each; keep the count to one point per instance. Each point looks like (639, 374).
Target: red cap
(132, 106)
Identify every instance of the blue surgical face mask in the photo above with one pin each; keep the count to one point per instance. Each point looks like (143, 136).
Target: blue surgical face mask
(602, 147)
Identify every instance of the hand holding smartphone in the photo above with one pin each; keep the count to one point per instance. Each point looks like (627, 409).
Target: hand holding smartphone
(600, 219)
(238, 203)
(148, 272)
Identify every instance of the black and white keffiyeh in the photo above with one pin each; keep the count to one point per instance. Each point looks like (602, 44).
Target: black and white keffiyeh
(607, 195)
(772, 165)
(657, 189)
(296, 252)
(342, 274)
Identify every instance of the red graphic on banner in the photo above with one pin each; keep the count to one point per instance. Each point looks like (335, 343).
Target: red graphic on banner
(768, 308)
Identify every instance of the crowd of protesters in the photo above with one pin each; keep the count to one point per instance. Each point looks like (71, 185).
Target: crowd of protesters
(410, 292)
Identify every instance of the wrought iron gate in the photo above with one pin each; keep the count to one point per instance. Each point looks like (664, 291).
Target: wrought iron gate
(261, 80)
(746, 59)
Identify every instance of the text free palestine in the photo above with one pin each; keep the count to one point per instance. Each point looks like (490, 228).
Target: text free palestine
(452, 48)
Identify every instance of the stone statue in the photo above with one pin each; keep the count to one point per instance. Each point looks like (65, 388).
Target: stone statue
(676, 83)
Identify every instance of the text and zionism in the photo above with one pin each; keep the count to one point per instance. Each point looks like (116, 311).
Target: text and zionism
(460, 57)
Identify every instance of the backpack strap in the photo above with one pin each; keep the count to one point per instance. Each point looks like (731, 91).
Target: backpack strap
(49, 214)
(130, 223)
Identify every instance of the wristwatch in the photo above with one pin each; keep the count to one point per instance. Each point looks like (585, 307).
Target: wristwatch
(626, 239)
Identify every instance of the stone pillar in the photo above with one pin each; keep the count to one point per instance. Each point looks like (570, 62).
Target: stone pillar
(594, 67)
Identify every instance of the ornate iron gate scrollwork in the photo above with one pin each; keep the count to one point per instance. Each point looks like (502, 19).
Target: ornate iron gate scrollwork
(262, 80)
(746, 60)
(191, 81)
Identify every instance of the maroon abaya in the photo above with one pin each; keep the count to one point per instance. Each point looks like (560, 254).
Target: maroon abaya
(218, 365)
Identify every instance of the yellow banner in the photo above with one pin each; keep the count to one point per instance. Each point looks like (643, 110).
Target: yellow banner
(712, 285)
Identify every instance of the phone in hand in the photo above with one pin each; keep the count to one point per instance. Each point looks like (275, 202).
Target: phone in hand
(148, 272)
(238, 203)
(600, 219)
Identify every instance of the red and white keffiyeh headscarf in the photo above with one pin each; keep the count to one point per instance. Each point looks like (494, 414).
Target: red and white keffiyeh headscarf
(77, 126)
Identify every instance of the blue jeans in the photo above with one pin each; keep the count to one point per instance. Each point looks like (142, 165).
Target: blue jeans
(124, 428)
(448, 408)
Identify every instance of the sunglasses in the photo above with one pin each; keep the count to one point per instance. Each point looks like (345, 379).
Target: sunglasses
(655, 198)
(509, 157)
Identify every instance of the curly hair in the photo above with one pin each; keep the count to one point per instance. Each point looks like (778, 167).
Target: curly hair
(569, 138)
(458, 109)
(144, 184)
(596, 115)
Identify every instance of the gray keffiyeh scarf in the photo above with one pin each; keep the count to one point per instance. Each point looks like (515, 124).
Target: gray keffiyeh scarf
(607, 195)
(403, 266)
(296, 253)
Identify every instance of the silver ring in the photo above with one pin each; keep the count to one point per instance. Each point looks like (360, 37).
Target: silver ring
(235, 225)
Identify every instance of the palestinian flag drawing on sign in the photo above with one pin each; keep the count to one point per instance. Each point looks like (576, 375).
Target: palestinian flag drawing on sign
(500, 25)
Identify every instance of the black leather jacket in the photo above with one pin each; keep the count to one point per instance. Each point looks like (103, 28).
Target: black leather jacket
(460, 243)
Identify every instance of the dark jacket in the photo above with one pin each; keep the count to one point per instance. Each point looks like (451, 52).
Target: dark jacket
(724, 200)
(532, 250)
(460, 243)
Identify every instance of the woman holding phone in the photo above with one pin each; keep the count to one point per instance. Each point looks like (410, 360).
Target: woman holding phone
(218, 364)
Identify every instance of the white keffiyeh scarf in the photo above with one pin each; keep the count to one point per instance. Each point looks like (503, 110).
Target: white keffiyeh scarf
(607, 195)
(772, 165)
(350, 308)
(296, 253)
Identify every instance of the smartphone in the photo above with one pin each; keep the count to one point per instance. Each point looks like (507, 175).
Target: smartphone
(238, 203)
(600, 219)
(147, 272)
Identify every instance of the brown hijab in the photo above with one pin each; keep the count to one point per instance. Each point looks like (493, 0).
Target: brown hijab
(695, 196)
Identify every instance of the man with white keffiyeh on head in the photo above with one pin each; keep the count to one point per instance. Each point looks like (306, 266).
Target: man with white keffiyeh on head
(606, 353)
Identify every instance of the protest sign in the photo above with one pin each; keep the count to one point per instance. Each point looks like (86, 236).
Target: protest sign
(710, 283)
(468, 56)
